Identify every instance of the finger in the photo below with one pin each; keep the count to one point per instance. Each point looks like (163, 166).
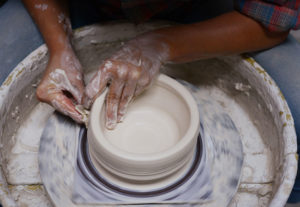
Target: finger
(127, 95)
(112, 102)
(95, 87)
(78, 90)
(143, 83)
(138, 90)
(70, 82)
(65, 105)
(140, 87)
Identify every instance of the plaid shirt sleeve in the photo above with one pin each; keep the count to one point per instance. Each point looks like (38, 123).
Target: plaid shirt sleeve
(275, 15)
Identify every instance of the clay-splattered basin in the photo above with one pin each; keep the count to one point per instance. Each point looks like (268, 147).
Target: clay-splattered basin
(238, 83)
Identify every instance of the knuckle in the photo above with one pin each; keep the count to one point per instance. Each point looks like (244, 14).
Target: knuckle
(122, 72)
(106, 66)
(135, 74)
(41, 92)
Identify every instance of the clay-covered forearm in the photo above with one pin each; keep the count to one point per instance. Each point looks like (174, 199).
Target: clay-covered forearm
(51, 17)
(230, 33)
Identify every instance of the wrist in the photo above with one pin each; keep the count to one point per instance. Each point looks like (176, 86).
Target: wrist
(59, 44)
(58, 51)
(154, 45)
(64, 59)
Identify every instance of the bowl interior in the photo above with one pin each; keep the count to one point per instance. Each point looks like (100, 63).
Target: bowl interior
(155, 121)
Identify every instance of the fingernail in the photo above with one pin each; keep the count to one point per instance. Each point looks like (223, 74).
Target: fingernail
(120, 118)
(111, 124)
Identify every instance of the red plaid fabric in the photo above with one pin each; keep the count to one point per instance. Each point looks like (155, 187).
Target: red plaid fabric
(276, 15)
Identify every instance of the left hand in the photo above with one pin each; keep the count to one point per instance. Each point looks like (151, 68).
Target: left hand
(129, 71)
(62, 85)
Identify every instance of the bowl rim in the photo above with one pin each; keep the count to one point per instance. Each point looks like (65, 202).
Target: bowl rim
(189, 135)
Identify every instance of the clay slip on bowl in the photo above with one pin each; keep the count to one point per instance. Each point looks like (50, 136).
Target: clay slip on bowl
(157, 137)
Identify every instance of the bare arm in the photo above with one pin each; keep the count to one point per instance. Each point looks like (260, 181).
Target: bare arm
(63, 75)
(51, 17)
(230, 33)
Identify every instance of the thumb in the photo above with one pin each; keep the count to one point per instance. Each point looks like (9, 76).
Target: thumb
(65, 105)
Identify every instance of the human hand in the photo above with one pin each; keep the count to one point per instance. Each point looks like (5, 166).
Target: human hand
(62, 84)
(129, 72)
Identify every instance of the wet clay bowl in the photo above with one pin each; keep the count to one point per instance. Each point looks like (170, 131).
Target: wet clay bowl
(156, 138)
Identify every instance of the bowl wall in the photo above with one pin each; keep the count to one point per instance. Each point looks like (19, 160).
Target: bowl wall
(157, 136)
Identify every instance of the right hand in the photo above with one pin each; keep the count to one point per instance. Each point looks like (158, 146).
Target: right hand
(129, 71)
(62, 84)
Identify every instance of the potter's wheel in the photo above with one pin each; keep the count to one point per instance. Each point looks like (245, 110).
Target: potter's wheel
(211, 179)
(93, 186)
(239, 84)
